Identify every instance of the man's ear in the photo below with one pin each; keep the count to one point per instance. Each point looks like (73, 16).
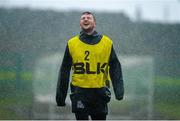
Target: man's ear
(95, 25)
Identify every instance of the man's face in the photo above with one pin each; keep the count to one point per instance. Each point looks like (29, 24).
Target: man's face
(87, 22)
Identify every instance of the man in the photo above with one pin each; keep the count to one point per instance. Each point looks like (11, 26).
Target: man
(92, 58)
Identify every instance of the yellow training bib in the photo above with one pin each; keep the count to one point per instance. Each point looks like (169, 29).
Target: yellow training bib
(90, 62)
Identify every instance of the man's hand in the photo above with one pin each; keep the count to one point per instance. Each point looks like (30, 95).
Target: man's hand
(61, 104)
(119, 98)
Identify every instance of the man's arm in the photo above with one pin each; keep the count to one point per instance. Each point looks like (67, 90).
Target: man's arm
(63, 79)
(116, 75)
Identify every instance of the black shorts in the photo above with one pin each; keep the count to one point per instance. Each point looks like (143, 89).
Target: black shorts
(90, 100)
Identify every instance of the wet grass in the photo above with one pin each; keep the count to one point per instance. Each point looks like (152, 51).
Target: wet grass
(168, 110)
(167, 96)
(15, 106)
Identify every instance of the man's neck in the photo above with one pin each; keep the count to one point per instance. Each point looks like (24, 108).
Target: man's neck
(89, 33)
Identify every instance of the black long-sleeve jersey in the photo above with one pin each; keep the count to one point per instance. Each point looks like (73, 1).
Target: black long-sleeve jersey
(115, 70)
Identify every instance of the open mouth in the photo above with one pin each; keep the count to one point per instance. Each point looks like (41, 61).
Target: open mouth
(86, 24)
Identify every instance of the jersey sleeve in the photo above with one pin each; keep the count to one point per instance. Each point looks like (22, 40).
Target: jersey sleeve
(63, 78)
(116, 75)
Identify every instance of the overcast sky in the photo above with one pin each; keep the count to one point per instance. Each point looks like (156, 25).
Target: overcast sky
(151, 10)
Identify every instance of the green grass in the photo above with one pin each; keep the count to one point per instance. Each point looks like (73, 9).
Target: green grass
(168, 110)
(12, 103)
(167, 96)
(167, 81)
(119, 107)
(7, 113)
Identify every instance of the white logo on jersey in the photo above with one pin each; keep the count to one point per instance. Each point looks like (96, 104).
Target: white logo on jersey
(80, 104)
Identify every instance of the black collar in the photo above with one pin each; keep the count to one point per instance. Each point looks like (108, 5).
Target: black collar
(92, 39)
(82, 33)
